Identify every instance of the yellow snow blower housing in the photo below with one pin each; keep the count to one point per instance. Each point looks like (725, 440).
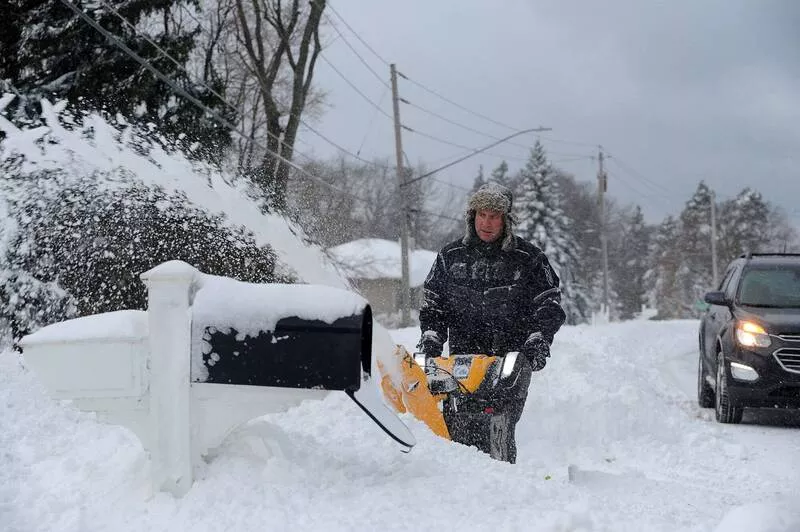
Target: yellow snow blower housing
(462, 397)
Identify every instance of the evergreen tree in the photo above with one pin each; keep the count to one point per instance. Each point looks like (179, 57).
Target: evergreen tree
(665, 261)
(579, 201)
(632, 265)
(479, 179)
(501, 176)
(743, 225)
(694, 276)
(542, 221)
(58, 55)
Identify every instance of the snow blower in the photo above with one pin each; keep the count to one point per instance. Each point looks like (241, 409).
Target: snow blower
(466, 398)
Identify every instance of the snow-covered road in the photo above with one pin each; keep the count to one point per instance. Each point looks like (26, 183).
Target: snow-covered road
(616, 402)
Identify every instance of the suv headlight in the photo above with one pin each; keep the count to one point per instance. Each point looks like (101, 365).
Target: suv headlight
(750, 334)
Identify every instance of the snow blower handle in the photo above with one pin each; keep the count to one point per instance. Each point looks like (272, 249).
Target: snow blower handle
(547, 293)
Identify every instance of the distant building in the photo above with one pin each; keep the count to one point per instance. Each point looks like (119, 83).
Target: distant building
(373, 266)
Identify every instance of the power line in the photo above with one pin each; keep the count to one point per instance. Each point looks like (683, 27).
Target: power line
(429, 213)
(648, 197)
(453, 185)
(409, 129)
(355, 88)
(475, 152)
(572, 142)
(616, 160)
(483, 133)
(632, 187)
(458, 124)
(509, 157)
(354, 32)
(573, 159)
(371, 121)
(451, 102)
(457, 145)
(341, 149)
(360, 58)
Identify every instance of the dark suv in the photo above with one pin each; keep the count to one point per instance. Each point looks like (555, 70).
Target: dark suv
(750, 337)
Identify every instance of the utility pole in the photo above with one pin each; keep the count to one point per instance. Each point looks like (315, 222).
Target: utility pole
(405, 289)
(714, 275)
(602, 187)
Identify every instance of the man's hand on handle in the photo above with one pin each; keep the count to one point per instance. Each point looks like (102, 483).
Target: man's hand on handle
(536, 350)
(430, 344)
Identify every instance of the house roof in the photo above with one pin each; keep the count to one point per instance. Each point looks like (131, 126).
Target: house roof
(376, 258)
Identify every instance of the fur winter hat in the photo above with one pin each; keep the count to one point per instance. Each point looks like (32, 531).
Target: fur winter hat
(493, 197)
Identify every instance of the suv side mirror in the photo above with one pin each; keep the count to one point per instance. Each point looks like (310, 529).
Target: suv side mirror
(716, 298)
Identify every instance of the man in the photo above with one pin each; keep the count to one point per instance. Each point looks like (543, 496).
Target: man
(492, 292)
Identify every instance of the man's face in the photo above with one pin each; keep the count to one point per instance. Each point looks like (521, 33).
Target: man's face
(488, 225)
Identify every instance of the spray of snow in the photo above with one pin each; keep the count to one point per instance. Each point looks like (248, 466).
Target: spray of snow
(97, 147)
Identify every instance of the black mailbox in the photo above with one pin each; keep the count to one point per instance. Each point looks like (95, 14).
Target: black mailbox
(297, 353)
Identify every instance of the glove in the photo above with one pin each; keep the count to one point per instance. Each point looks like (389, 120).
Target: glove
(430, 344)
(536, 350)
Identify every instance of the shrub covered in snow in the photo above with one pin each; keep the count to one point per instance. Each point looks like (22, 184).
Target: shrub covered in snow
(79, 248)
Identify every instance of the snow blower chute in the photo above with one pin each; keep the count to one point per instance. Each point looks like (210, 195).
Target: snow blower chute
(466, 398)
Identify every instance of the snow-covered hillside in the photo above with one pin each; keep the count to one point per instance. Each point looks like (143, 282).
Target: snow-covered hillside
(616, 401)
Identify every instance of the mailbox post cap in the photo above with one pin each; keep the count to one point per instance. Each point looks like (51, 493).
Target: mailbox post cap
(173, 270)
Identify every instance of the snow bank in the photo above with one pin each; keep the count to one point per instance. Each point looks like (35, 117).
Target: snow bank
(762, 517)
(617, 401)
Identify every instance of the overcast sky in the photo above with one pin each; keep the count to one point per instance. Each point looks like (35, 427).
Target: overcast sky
(674, 91)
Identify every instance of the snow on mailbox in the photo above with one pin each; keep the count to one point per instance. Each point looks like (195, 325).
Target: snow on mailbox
(209, 354)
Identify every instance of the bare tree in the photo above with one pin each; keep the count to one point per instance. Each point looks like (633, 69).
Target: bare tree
(361, 200)
(277, 38)
(265, 52)
(781, 235)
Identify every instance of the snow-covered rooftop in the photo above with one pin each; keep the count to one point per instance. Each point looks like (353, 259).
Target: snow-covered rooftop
(376, 258)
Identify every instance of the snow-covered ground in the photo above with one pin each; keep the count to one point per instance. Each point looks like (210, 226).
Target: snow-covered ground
(616, 401)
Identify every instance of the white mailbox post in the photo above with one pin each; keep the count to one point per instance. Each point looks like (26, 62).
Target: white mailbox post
(169, 341)
(134, 368)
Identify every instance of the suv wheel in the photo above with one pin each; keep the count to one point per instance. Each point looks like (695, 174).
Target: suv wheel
(725, 411)
(705, 394)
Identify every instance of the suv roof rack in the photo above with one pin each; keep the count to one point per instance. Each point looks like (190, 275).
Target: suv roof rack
(749, 255)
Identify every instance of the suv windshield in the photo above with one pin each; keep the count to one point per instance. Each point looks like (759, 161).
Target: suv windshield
(771, 286)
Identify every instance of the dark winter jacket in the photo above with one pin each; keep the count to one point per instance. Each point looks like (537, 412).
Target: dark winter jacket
(481, 296)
